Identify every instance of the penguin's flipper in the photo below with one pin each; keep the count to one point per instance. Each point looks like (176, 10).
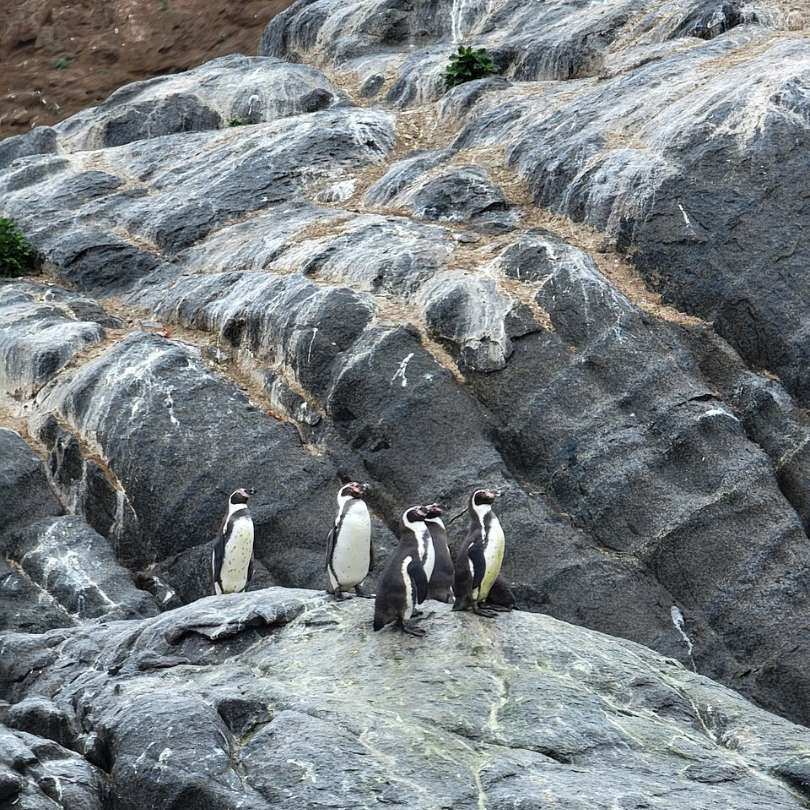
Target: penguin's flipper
(249, 573)
(417, 574)
(330, 546)
(217, 557)
(476, 554)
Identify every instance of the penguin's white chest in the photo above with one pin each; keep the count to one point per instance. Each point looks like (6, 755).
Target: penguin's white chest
(493, 555)
(407, 611)
(427, 553)
(238, 553)
(351, 556)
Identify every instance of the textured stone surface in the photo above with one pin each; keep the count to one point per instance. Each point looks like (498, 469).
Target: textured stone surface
(431, 290)
(24, 489)
(280, 698)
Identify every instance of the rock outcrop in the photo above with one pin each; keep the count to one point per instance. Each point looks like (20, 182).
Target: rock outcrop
(581, 282)
(282, 698)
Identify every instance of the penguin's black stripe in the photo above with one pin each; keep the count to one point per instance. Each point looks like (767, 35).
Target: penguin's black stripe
(335, 536)
(229, 520)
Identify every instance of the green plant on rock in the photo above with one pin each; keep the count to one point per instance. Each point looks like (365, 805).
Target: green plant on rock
(62, 63)
(236, 122)
(17, 257)
(468, 64)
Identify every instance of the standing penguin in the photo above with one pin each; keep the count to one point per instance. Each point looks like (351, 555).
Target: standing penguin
(349, 555)
(480, 556)
(232, 560)
(403, 583)
(440, 586)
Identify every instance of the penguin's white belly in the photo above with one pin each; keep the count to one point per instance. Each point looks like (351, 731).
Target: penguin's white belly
(493, 555)
(351, 557)
(238, 553)
(429, 557)
(409, 595)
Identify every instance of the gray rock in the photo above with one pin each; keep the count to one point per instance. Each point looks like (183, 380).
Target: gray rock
(43, 718)
(39, 141)
(291, 700)
(233, 90)
(40, 335)
(24, 490)
(176, 409)
(24, 605)
(74, 564)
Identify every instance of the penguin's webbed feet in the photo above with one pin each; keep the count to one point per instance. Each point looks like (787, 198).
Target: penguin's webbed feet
(411, 629)
(359, 591)
(479, 610)
(498, 608)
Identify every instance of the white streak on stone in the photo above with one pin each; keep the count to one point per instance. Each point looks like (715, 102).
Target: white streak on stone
(400, 372)
(678, 622)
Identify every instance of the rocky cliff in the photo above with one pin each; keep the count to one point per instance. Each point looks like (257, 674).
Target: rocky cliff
(582, 281)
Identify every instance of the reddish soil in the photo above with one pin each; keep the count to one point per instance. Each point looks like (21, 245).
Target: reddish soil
(59, 56)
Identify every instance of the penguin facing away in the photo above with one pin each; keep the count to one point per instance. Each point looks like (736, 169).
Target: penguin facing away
(440, 585)
(403, 583)
(349, 554)
(232, 558)
(480, 556)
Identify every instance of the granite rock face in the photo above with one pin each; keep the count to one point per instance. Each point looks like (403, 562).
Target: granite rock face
(280, 698)
(581, 282)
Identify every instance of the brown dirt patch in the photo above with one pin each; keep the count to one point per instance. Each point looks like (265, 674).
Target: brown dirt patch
(59, 57)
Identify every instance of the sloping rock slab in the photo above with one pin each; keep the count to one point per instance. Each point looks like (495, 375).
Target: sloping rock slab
(283, 699)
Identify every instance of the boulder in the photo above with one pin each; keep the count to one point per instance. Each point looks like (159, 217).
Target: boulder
(285, 698)
(24, 490)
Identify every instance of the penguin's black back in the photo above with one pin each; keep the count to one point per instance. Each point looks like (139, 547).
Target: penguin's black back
(441, 581)
(470, 550)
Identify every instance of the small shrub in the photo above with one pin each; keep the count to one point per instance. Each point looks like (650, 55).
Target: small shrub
(17, 257)
(62, 62)
(235, 122)
(468, 64)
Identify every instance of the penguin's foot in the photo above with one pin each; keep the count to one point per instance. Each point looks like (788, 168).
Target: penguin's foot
(358, 590)
(411, 629)
(340, 596)
(416, 614)
(499, 608)
(420, 616)
(479, 610)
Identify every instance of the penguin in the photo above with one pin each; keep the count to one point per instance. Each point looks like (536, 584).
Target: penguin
(349, 554)
(440, 585)
(479, 559)
(232, 559)
(403, 583)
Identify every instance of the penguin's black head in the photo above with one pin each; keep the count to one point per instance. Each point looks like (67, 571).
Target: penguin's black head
(353, 490)
(415, 514)
(483, 496)
(241, 496)
(432, 510)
